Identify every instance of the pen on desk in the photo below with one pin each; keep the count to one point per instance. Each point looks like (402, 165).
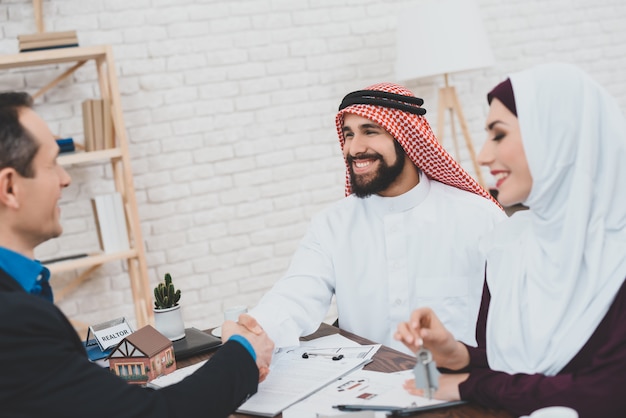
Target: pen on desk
(332, 356)
(365, 407)
(412, 410)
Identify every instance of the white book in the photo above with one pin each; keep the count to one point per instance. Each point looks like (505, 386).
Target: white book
(111, 222)
(104, 221)
(121, 230)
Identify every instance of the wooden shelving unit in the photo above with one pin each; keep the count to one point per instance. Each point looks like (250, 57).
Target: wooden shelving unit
(118, 156)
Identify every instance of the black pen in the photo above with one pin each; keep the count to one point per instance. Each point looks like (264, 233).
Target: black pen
(412, 410)
(365, 407)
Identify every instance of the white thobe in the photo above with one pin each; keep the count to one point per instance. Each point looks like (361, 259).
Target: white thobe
(383, 257)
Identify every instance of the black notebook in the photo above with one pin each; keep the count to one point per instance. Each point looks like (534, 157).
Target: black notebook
(195, 342)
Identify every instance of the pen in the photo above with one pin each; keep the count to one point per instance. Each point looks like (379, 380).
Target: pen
(410, 411)
(365, 407)
(332, 356)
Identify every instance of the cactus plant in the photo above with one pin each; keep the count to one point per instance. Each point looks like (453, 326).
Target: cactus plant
(165, 296)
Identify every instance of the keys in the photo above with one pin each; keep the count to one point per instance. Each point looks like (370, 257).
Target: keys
(426, 373)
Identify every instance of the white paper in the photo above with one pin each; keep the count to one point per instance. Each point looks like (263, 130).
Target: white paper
(361, 387)
(293, 377)
(174, 377)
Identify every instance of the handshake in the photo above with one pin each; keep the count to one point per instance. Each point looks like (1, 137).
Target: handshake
(249, 328)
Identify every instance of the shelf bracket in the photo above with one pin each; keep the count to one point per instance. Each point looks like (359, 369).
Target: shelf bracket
(61, 294)
(57, 80)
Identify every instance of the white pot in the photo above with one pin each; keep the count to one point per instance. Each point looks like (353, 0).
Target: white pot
(169, 322)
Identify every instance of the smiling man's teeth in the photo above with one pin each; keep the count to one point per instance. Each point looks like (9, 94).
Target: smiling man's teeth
(361, 164)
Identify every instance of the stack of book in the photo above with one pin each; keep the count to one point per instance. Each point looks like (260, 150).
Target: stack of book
(66, 145)
(97, 124)
(111, 222)
(47, 40)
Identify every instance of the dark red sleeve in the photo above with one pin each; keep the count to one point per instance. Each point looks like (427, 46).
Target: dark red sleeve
(478, 355)
(593, 382)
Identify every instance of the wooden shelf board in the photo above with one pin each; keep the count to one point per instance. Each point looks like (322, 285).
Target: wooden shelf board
(84, 157)
(90, 261)
(52, 56)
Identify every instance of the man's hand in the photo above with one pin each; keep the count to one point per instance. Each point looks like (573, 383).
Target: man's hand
(425, 329)
(250, 329)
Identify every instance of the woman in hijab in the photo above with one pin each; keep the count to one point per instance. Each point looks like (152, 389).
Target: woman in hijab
(552, 325)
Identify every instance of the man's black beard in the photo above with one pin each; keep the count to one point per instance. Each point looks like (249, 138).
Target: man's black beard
(384, 176)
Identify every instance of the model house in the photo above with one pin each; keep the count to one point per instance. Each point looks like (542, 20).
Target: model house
(143, 356)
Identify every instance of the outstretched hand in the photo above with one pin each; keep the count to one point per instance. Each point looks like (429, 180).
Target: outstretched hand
(250, 329)
(425, 329)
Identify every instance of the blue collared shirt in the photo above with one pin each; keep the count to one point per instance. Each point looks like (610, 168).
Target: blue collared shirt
(30, 274)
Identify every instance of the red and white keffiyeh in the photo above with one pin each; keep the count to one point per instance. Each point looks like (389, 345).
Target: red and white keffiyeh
(417, 139)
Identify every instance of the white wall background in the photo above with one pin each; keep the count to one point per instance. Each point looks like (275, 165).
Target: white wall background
(229, 106)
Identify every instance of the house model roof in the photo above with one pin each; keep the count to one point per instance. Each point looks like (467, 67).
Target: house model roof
(147, 340)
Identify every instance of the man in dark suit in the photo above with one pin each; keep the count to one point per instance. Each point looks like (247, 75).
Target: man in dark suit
(45, 371)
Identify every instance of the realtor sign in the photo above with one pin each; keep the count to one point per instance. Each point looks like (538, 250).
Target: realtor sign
(109, 334)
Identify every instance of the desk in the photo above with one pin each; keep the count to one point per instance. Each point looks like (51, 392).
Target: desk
(385, 360)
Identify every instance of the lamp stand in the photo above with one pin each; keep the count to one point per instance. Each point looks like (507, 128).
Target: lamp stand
(448, 100)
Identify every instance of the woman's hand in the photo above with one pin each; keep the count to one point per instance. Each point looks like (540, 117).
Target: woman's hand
(448, 387)
(425, 329)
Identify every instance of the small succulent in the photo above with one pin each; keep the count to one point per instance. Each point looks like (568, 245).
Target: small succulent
(165, 296)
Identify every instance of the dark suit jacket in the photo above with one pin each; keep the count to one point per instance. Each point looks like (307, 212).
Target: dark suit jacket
(44, 371)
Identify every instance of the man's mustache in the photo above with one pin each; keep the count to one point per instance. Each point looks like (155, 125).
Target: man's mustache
(371, 156)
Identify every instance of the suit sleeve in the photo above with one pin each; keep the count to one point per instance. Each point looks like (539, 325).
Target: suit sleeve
(45, 370)
(592, 383)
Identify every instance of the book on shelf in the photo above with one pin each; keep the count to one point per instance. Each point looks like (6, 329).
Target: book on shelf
(107, 125)
(71, 34)
(66, 145)
(97, 124)
(48, 44)
(110, 220)
(47, 40)
(88, 126)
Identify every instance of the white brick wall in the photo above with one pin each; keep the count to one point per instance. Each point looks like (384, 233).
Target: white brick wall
(230, 107)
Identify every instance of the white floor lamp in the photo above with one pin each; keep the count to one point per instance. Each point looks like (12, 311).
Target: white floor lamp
(440, 37)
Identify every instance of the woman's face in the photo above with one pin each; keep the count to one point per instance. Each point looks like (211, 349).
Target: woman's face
(504, 154)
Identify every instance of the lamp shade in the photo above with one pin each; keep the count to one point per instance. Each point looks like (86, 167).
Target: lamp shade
(440, 37)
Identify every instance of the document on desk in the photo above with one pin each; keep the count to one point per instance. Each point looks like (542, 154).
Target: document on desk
(297, 372)
(174, 377)
(361, 387)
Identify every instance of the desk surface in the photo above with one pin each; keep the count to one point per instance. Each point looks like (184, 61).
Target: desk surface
(386, 360)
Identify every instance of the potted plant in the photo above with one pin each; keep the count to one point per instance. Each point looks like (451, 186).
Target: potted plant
(168, 319)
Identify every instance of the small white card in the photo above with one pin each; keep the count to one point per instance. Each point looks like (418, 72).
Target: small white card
(109, 334)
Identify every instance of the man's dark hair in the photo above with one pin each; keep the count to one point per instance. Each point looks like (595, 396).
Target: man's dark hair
(17, 145)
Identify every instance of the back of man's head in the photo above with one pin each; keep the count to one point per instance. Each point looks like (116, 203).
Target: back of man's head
(17, 145)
